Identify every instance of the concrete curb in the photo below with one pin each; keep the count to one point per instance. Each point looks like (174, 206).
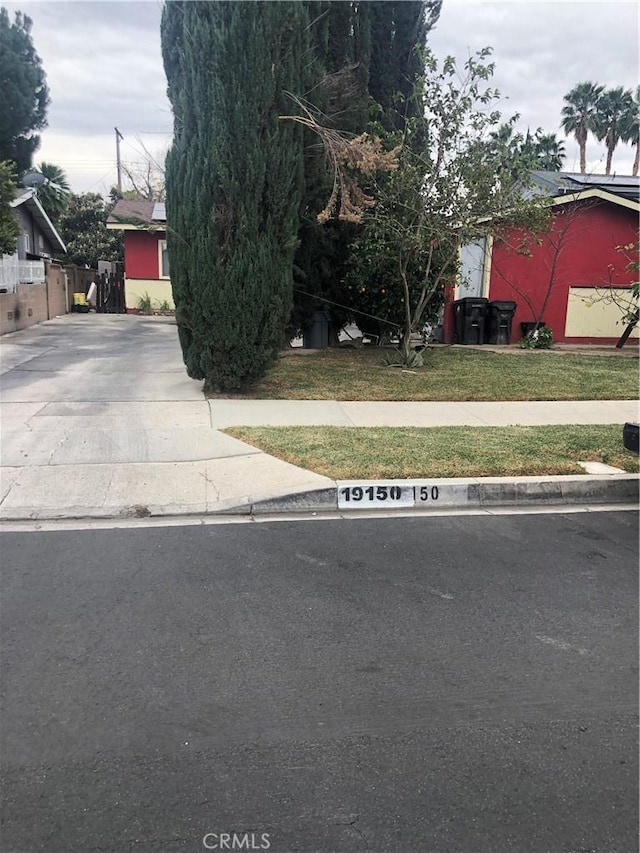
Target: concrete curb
(462, 494)
(473, 493)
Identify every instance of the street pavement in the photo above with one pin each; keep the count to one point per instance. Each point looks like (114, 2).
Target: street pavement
(100, 420)
(426, 684)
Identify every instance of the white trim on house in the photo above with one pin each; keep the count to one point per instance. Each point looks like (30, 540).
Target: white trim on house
(596, 193)
(127, 226)
(486, 265)
(39, 215)
(162, 248)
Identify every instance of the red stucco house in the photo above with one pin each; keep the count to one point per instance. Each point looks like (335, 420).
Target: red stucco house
(575, 277)
(146, 262)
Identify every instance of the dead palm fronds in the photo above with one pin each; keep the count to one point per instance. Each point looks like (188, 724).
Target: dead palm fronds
(348, 156)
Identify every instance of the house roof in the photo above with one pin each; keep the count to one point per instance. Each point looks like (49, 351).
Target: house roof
(29, 200)
(560, 184)
(137, 216)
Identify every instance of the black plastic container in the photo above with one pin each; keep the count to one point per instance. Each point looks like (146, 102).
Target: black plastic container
(470, 317)
(500, 319)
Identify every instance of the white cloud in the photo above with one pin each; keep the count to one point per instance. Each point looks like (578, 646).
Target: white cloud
(541, 50)
(104, 68)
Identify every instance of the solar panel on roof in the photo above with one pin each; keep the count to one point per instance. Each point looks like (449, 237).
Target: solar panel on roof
(159, 212)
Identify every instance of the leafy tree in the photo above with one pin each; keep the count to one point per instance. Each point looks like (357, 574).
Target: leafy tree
(24, 95)
(445, 192)
(234, 181)
(579, 114)
(54, 194)
(371, 282)
(630, 128)
(540, 150)
(83, 227)
(9, 229)
(610, 121)
(547, 150)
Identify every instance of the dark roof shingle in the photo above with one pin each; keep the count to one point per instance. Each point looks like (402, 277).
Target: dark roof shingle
(130, 212)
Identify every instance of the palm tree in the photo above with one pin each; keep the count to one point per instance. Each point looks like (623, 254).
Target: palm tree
(630, 130)
(54, 193)
(578, 115)
(545, 150)
(609, 123)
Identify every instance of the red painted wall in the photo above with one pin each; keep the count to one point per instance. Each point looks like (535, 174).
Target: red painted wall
(579, 252)
(141, 253)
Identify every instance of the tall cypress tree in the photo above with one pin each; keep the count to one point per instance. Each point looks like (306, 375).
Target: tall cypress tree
(397, 26)
(364, 54)
(336, 83)
(233, 180)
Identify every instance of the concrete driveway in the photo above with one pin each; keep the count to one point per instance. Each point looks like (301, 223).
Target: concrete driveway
(100, 418)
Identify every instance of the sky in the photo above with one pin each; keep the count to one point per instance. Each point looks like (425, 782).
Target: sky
(104, 70)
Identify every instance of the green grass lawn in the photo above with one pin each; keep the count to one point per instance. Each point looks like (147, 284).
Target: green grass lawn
(345, 453)
(449, 374)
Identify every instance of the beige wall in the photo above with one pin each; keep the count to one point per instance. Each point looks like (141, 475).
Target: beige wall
(159, 290)
(597, 312)
(34, 303)
(26, 307)
(56, 291)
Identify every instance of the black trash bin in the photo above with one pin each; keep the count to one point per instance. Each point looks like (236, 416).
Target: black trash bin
(317, 336)
(631, 437)
(470, 315)
(500, 319)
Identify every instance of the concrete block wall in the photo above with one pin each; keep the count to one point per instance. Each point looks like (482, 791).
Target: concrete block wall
(26, 307)
(56, 290)
(34, 303)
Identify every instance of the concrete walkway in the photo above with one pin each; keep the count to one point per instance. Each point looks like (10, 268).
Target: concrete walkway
(100, 419)
(226, 413)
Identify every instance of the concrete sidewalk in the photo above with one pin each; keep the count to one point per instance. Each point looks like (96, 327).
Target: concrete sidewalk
(226, 413)
(100, 420)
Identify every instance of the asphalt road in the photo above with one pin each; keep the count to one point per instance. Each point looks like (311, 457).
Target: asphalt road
(461, 684)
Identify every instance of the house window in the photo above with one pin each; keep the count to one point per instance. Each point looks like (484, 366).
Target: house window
(163, 259)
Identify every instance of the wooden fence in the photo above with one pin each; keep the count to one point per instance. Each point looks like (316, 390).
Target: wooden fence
(110, 291)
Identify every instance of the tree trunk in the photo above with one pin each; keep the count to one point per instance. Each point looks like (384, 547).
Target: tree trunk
(630, 327)
(405, 347)
(636, 161)
(583, 158)
(405, 344)
(609, 161)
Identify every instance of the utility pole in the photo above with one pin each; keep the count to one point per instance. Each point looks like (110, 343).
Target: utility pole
(119, 136)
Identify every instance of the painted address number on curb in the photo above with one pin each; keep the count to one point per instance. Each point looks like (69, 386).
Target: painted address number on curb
(363, 495)
(370, 495)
